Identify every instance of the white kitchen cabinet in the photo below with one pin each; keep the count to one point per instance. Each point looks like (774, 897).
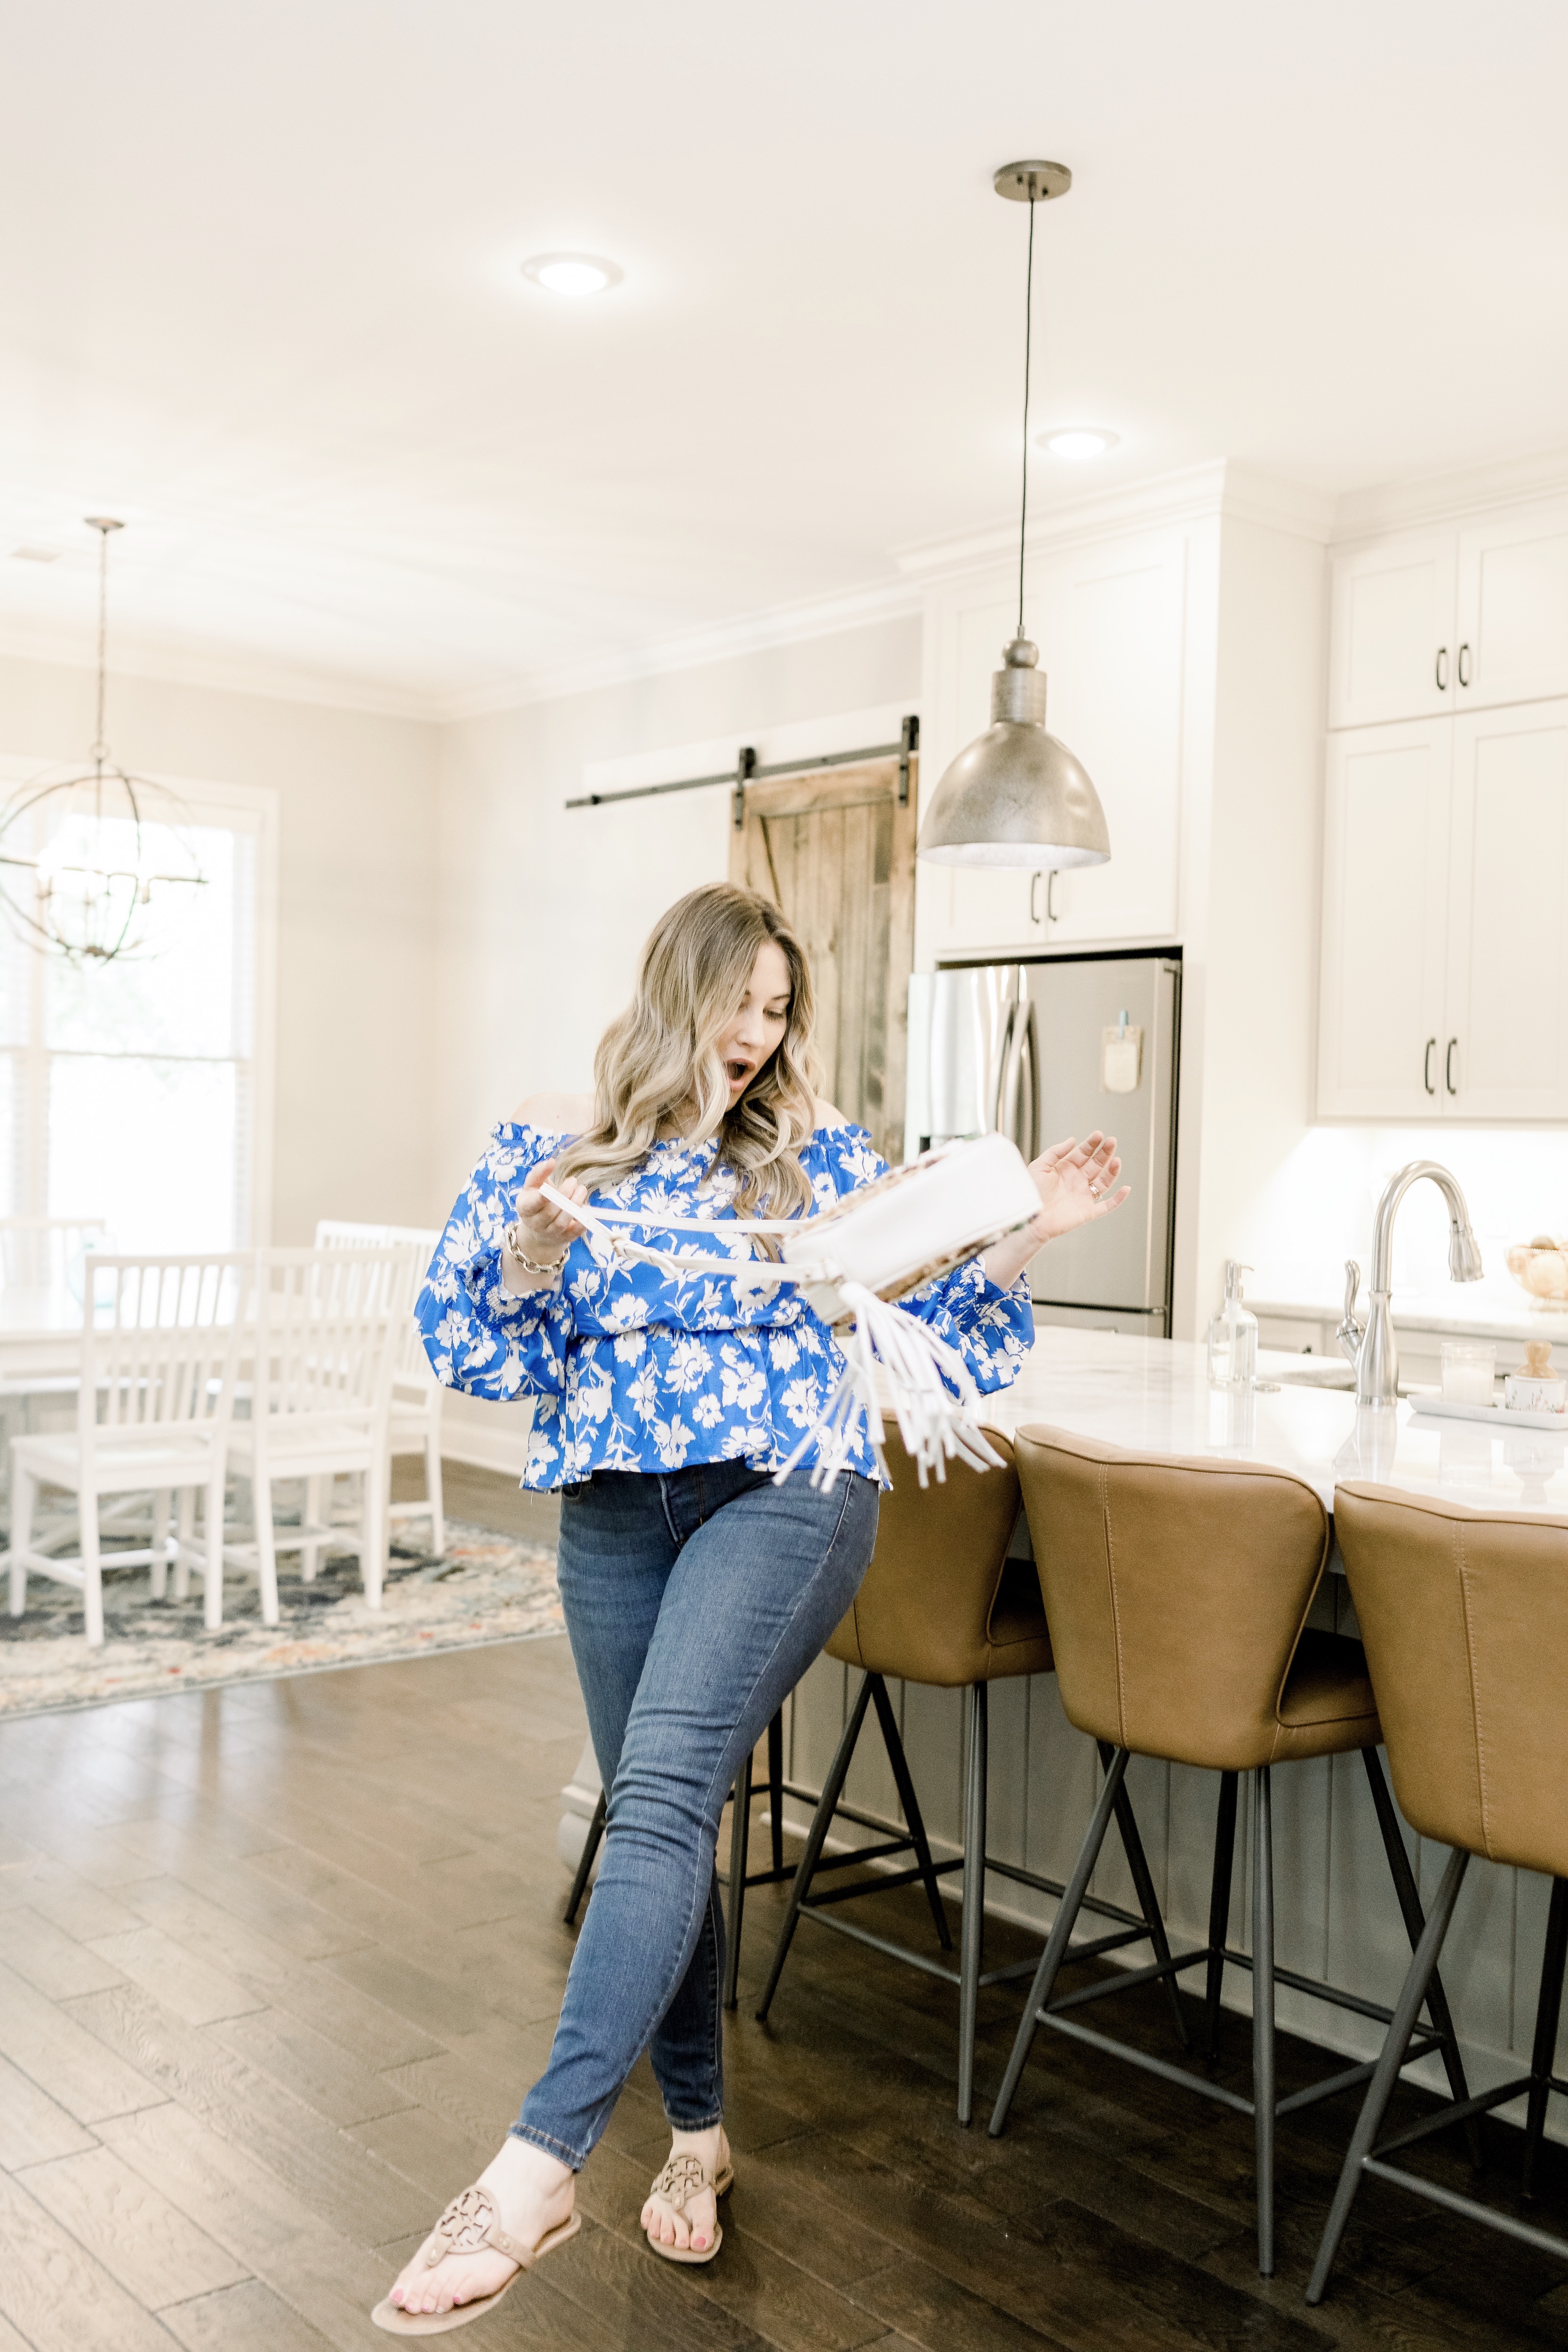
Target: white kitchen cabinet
(1392, 642)
(1511, 643)
(1505, 1039)
(1108, 620)
(1385, 905)
(1444, 974)
(1432, 621)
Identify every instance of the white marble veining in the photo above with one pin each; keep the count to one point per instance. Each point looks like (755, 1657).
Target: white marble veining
(1154, 1394)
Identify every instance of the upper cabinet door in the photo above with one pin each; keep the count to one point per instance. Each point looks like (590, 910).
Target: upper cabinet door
(1512, 639)
(1392, 647)
(1505, 1045)
(1385, 870)
(1111, 623)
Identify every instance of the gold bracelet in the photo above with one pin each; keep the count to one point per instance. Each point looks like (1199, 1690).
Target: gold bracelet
(518, 1256)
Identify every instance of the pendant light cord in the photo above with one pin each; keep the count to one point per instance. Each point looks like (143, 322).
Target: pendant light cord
(100, 747)
(1028, 330)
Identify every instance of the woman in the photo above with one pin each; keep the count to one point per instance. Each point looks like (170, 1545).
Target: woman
(696, 1592)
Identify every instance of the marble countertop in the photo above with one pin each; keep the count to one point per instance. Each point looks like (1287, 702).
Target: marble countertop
(1154, 1393)
(1493, 1309)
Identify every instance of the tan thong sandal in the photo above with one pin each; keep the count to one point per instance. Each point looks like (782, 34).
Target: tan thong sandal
(683, 2178)
(470, 2223)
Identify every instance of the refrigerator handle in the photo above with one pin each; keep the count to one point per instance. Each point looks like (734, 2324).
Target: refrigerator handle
(1002, 1100)
(1027, 1134)
(1018, 1063)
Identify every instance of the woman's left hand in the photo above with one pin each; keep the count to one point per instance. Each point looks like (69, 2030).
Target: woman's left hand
(1077, 1182)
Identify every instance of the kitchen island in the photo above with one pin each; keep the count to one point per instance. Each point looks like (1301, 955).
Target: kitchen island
(1336, 1915)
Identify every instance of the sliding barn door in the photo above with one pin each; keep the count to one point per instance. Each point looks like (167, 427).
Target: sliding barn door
(836, 852)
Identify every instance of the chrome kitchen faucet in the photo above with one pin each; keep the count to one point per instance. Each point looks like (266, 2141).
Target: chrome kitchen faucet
(1372, 1348)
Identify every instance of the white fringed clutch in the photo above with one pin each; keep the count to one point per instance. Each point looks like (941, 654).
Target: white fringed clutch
(854, 1262)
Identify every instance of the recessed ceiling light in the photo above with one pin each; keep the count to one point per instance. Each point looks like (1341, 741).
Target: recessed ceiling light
(1078, 442)
(35, 555)
(571, 273)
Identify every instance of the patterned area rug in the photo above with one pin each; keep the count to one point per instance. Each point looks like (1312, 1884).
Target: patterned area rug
(484, 1588)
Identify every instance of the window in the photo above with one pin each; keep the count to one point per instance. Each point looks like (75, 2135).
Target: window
(140, 1090)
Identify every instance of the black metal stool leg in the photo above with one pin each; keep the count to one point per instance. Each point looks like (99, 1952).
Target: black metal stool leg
(1414, 1921)
(1548, 2009)
(740, 1838)
(911, 1806)
(1148, 1902)
(973, 1895)
(1219, 1902)
(585, 1861)
(776, 1787)
(1380, 2090)
(1054, 1952)
(817, 1837)
(1263, 2012)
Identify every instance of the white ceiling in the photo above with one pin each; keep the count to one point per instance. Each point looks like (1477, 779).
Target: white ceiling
(259, 294)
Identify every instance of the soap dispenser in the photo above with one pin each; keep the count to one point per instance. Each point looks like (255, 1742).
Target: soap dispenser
(1233, 1336)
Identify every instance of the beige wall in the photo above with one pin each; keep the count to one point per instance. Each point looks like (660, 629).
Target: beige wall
(357, 853)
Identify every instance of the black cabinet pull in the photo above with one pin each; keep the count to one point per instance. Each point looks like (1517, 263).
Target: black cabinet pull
(1449, 1066)
(1034, 886)
(1426, 1065)
(1051, 914)
(1442, 669)
(1464, 660)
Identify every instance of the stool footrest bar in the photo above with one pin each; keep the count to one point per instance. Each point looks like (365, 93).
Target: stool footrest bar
(1452, 2113)
(1489, 2215)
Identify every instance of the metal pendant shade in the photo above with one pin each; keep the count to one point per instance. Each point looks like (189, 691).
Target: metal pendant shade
(1017, 796)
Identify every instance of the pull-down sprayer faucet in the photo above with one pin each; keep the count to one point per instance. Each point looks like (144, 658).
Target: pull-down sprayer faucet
(1372, 1349)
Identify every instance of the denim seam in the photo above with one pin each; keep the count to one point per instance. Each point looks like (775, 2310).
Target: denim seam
(546, 2140)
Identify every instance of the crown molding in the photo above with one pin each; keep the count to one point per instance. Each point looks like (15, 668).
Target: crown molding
(1449, 498)
(753, 633)
(258, 675)
(1192, 492)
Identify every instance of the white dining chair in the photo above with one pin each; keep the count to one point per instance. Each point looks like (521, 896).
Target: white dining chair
(322, 1332)
(415, 1424)
(153, 1400)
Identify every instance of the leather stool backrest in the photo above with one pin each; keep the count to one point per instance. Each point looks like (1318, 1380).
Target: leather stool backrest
(941, 1602)
(1175, 1591)
(1465, 1618)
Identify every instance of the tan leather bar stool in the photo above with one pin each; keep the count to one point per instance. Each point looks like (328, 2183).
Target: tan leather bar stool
(1465, 1618)
(1177, 1594)
(942, 1604)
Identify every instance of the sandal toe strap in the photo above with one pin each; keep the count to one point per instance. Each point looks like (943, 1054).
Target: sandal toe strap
(470, 2223)
(683, 2178)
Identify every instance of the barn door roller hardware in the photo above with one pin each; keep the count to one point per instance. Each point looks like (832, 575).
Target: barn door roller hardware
(746, 771)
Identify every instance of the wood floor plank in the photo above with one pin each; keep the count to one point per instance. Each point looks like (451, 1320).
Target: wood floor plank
(301, 1926)
(929, 2310)
(52, 1961)
(242, 2319)
(325, 2168)
(315, 2070)
(148, 2245)
(433, 2004)
(70, 1903)
(440, 2156)
(477, 2102)
(63, 2059)
(175, 1976)
(638, 2300)
(32, 2126)
(54, 2293)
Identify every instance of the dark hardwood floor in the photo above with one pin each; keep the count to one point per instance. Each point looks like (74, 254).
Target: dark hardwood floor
(278, 1962)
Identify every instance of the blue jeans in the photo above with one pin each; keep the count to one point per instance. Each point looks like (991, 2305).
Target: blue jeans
(694, 1602)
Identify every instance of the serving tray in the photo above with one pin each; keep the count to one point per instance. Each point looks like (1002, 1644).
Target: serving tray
(1496, 1416)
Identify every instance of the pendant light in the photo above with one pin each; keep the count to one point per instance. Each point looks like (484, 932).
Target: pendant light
(93, 875)
(1017, 796)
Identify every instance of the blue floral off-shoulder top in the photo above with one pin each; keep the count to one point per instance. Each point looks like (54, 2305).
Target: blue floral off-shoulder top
(630, 1369)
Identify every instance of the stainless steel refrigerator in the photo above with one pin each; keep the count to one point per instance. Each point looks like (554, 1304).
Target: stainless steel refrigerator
(1053, 1049)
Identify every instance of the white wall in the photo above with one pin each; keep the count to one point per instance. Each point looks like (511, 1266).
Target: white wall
(357, 860)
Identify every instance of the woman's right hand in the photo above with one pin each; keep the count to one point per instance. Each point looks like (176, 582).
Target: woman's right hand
(545, 1232)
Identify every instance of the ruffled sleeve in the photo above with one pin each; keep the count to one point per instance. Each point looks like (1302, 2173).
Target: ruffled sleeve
(479, 1335)
(993, 1330)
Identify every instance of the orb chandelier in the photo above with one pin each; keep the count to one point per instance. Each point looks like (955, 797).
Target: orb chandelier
(1017, 796)
(83, 851)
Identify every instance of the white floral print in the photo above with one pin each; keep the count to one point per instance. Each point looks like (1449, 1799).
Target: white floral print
(628, 1369)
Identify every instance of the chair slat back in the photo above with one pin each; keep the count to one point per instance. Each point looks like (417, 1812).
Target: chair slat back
(159, 1342)
(412, 1365)
(327, 1327)
(39, 1253)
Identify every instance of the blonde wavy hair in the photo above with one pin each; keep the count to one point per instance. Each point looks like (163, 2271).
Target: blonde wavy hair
(659, 1060)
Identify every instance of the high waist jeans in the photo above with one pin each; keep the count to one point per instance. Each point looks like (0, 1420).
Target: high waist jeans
(694, 1600)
